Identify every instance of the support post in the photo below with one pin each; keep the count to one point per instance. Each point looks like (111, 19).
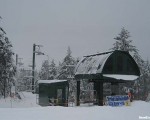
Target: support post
(33, 67)
(96, 92)
(100, 93)
(78, 94)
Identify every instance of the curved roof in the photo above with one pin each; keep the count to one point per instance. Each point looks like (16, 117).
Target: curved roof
(92, 64)
(109, 65)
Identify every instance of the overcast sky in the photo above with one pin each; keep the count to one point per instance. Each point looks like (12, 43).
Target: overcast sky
(87, 26)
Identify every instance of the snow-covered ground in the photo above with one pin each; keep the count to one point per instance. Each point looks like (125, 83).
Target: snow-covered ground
(28, 100)
(27, 109)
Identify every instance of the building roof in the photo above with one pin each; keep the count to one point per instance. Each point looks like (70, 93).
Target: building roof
(116, 65)
(50, 81)
(92, 64)
(121, 77)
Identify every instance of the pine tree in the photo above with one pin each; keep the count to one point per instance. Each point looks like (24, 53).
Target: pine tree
(52, 70)
(66, 71)
(48, 70)
(66, 68)
(44, 73)
(143, 82)
(122, 42)
(7, 68)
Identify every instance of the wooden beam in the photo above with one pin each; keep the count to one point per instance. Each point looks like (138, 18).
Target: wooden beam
(78, 94)
(99, 90)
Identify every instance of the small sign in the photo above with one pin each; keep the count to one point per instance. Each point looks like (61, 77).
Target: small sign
(118, 100)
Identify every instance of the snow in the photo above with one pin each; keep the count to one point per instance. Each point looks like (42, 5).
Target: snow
(26, 109)
(92, 64)
(121, 77)
(50, 81)
(148, 97)
(27, 100)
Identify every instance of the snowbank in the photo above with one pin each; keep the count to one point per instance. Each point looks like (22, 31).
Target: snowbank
(27, 100)
(133, 112)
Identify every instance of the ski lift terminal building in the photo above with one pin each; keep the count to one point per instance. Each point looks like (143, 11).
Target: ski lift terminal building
(113, 67)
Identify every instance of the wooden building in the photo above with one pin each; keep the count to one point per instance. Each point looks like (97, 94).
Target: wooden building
(114, 67)
(53, 92)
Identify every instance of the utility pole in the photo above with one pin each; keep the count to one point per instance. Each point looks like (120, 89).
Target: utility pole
(33, 63)
(33, 67)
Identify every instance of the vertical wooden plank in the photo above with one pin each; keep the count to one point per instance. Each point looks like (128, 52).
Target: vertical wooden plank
(100, 93)
(95, 92)
(78, 94)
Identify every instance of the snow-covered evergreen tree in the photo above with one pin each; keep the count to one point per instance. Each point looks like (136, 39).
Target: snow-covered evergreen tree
(143, 84)
(66, 71)
(66, 68)
(123, 43)
(7, 68)
(24, 79)
(44, 72)
(48, 70)
(52, 70)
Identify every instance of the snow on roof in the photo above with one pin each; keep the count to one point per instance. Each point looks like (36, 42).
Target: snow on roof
(28, 76)
(121, 77)
(50, 81)
(92, 64)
